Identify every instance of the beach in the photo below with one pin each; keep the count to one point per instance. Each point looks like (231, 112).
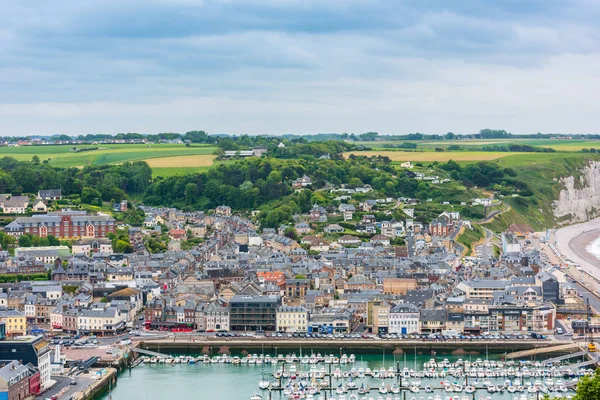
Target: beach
(573, 240)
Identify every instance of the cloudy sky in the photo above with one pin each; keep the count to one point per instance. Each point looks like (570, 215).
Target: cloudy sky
(299, 66)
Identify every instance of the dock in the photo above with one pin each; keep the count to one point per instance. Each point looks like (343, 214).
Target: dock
(566, 357)
(150, 353)
(544, 350)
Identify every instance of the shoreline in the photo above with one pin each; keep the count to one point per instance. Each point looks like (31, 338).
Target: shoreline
(571, 242)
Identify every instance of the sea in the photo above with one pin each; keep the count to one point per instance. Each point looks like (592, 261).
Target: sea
(240, 382)
(594, 248)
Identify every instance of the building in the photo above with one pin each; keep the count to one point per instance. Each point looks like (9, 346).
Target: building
(43, 254)
(216, 317)
(223, 210)
(87, 246)
(50, 194)
(63, 226)
(15, 322)
(101, 322)
(296, 287)
(404, 319)
(440, 227)
(29, 349)
(39, 206)
(14, 381)
(482, 288)
(292, 319)
(510, 243)
(251, 313)
(398, 285)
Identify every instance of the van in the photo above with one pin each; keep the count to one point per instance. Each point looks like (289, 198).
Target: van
(559, 331)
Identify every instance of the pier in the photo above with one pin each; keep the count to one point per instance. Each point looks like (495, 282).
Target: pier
(566, 357)
(544, 350)
(150, 353)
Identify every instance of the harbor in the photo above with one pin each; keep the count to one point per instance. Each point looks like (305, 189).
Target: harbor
(368, 376)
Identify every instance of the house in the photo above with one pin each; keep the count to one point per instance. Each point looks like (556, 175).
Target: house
(318, 213)
(50, 194)
(302, 228)
(366, 228)
(486, 202)
(15, 322)
(317, 243)
(150, 221)
(346, 207)
(39, 206)
(348, 239)
(14, 381)
(406, 164)
(301, 182)
(521, 231)
(348, 215)
(223, 210)
(15, 205)
(440, 227)
(333, 228)
(380, 240)
(368, 205)
(368, 219)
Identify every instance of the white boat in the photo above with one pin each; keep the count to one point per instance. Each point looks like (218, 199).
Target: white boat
(256, 397)
(382, 388)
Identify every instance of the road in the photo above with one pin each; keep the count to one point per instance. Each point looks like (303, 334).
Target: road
(486, 249)
(83, 381)
(587, 295)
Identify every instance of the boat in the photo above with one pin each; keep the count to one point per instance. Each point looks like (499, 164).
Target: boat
(256, 397)
(469, 389)
(382, 388)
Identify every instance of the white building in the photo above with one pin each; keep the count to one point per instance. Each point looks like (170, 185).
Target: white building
(404, 319)
(217, 317)
(292, 319)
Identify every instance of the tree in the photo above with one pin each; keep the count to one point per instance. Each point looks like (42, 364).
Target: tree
(191, 192)
(35, 159)
(25, 241)
(588, 387)
(450, 136)
(53, 241)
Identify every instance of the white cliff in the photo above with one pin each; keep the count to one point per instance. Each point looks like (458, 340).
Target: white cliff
(580, 201)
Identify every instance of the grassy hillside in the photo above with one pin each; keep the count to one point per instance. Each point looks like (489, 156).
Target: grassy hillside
(470, 237)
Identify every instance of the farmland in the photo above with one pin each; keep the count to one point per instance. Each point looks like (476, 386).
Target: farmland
(162, 156)
(430, 156)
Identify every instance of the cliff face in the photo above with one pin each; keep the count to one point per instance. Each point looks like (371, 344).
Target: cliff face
(580, 198)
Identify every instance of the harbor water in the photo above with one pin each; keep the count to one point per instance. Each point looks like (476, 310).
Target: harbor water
(240, 382)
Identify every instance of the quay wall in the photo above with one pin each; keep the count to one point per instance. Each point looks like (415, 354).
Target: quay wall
(98, 386)
(215, 346)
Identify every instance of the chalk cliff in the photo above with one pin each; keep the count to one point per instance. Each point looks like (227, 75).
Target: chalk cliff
(579, 200)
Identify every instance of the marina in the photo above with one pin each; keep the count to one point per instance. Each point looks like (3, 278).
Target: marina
(386, 377)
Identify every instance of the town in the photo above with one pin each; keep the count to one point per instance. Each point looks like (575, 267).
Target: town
(335, 273)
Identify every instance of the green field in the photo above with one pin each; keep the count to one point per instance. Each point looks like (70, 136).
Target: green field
(475, 144)
(61, 156)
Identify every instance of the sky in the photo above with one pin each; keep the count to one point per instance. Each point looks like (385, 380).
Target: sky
(299, 66)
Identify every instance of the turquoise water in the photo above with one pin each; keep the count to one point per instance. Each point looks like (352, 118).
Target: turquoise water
(240, 382)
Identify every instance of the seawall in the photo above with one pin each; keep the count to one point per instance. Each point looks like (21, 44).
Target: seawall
(215, 346)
